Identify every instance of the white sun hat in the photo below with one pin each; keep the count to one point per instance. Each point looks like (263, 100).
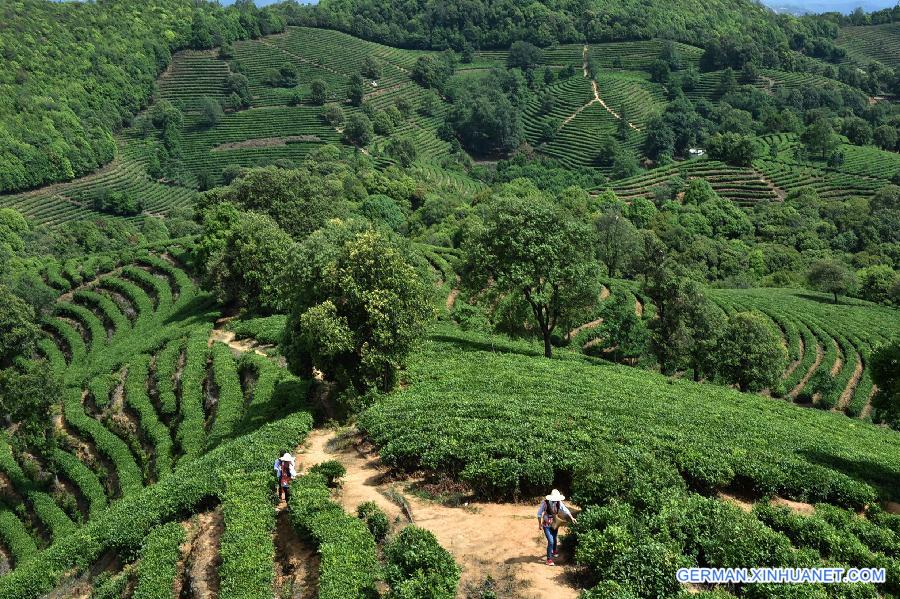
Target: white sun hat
(287, 458)
(555, 496)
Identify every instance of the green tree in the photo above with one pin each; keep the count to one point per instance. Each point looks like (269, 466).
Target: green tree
(371, 68)
(359, 307)
(249, 271)
(299, 200)
(318, 93)
(210, 111)
(26, 397)
(618, 241)
(819, 138)
(402, 149)
(831, 276)
(17, 329)
(751, 353)
(529, 247)
(885, 364)
(356, 91)
(358, 130)
(333, 114)
(885, 137)
(876, 281)
(733, 148)
(624, 334)
(524, 56)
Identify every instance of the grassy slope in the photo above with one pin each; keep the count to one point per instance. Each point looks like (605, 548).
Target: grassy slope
(471, 396)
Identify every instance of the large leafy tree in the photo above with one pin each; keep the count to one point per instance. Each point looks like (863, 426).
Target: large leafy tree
(528, 246)
(359, 307)
(618, 241)
(26, 395)
(17, 329)
(247, 268)
(751, 353)
(831, 276)
(299, 200)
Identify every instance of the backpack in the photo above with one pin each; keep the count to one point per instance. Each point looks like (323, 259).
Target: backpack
(551, 509)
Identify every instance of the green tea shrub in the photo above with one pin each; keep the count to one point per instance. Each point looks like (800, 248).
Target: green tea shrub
(419, 568)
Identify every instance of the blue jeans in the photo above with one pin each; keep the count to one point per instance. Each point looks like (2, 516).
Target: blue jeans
(551, 534)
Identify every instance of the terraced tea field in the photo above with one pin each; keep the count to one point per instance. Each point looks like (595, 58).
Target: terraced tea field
(875, 42)
(744, 186)
(821, 336)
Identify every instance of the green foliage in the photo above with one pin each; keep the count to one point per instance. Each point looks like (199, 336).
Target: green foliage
(453, 416)
(117, 203)
(750, 353)
(267, 329)
(191, 433)
(84, 478)
(359, 307)
(375, 518)
(332, 471)
(732, 148)
(358, 130)
(885, 365)
(484, 117)
(349, 563)
(160, 552)
(299, 200)
(108, 444)
(249, 268)
(230, 401)
(418, 567)
(127, 522)
(528, 246)
(831, 276)
(26, 395)
(247, 549)
(16, 538)
(158, 433)
(623, 332)
(17, 328)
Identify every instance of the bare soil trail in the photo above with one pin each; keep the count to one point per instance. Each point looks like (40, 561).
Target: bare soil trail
(795, 363)
(497, 539)
(867, 409)
(820, 354)
(847, 393)
(218, 333)
(604, 293)
(597, 99)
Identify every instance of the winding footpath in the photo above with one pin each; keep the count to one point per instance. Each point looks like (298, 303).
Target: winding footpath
(486, 539)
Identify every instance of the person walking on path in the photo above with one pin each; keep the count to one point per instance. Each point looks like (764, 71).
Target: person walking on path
(285, 473)
(547, 513)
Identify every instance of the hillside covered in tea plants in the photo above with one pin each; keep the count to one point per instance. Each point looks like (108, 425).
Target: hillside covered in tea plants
(449, 257)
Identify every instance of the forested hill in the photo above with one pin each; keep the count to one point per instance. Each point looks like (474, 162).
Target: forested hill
(71, 73)
(497, 23)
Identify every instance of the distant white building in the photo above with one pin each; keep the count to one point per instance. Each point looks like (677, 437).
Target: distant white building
(696, 152)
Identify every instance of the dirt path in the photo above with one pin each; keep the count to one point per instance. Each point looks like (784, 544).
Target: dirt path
(638, 308)
(847, 394)
(596, 99)
(296, 563)
(820, 353)
(867, 409)
(838, 359)
(202, 561)
(795, 363)
(497, 539)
